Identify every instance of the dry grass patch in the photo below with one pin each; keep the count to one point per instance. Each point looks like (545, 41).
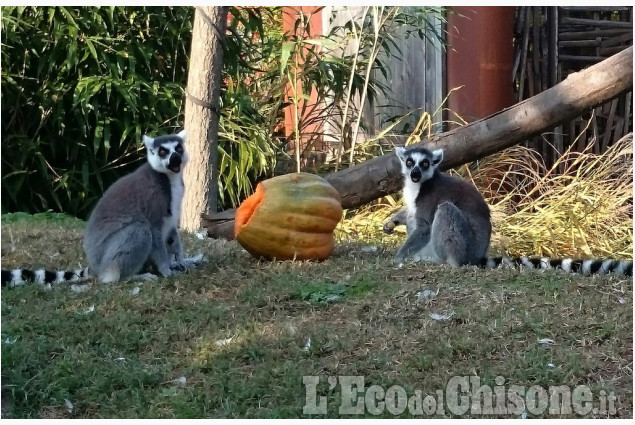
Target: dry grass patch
(580, 207)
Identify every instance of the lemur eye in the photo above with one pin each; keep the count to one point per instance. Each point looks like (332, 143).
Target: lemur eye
(425, 163)
(163, 151)
(409, 162)
(179, 149)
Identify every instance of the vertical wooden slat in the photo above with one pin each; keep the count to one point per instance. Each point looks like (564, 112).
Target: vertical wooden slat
(552, 18)
(572, 133)
(435, 71)
(594, 126)
(609, 125)
(518, 27)
(627, 112)
(530, 79)
(619, 127)
(544, 53)
(552, 22)
(596, 16)
(536, 47)
(523, 55)
(584, 130)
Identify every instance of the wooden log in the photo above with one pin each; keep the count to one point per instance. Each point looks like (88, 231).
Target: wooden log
(615, 41)
(574, 58)
(579, 43)
(594, 8)
(610, 51)
(219, 225)
(580, 91)
(596, 23)
(583, 35)
(222, 230)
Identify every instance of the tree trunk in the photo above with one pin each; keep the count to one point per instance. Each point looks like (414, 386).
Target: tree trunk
(580, 92)
(202, 115)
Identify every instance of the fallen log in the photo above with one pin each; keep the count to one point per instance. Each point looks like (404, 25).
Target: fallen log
(219, 225)
(578, 93)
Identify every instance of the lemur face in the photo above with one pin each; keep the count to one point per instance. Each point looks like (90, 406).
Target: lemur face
(166, 154)
(418, 164)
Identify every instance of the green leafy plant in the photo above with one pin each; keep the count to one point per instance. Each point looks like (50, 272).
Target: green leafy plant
(80, 85)
(250, 109)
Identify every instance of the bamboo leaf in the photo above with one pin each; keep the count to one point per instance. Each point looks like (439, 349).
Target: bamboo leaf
(91, 48)
(285, 53)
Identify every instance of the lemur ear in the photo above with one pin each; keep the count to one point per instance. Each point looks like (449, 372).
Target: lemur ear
(182, 135)
(401, 153)
(148, 141)
(437, 156)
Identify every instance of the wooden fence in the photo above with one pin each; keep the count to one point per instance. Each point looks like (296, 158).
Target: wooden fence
(553, 42)
(415, 77)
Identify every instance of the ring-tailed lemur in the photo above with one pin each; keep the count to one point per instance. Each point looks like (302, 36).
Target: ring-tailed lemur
(133, 227)
(448, 221)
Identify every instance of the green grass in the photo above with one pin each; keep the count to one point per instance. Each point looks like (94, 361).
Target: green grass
(238, 329)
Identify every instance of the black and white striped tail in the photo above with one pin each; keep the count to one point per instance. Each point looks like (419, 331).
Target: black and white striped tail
(584, 267)
(19, 277)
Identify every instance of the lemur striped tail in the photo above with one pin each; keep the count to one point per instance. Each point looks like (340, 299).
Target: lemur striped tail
(585, 267)
(18, 277)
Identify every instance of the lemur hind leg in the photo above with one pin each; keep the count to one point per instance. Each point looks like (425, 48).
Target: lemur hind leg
(175, 250)
(125, 253)
(159, 254)
(450, 235)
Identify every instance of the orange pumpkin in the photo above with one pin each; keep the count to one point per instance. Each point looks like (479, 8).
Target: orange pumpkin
(289, 217)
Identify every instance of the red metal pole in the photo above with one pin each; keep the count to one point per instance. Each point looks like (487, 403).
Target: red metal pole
(479, 57)
(289, 16)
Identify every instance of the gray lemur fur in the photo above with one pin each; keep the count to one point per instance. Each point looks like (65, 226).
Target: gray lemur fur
(446, 218)
(133, 227)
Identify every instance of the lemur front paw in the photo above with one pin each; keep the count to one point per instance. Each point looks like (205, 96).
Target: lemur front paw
(389, 227)
(165, 271)
(179, 267)
(398, 260)
(186, 263)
